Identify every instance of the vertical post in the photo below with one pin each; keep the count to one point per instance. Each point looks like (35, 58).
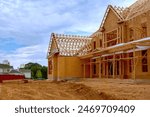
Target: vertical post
(134, 68)
(123, 34)
(117, 35)
(53, 68)
(58, 73)
(120, 66)
(123, 68)
(91, 69)
(84, 70)
(100, 76)
(48, 69)
(103, 40)
(107, 69)
(114, 65)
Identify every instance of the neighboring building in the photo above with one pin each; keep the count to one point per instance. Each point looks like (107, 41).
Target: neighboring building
(4, 68)
(120, 48)
(6, 62)
(15, 72)
(22, 66)
(26, 72)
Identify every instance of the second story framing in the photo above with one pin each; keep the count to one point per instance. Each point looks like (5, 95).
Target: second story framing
(122, 25)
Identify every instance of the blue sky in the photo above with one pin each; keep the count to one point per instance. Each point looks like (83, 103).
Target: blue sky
(26, 25)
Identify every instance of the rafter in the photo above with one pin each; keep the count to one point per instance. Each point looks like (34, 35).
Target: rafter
(69, 45)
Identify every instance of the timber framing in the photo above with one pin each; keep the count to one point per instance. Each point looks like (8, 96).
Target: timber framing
(120, 48)
(139, 7)
(117, 10)
(69, 45)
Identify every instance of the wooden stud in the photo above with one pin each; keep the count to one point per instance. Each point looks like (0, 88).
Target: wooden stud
(134, 64)
(84, 67)
(91, 73)
(100, 74)
(120, 69)
(114, 65)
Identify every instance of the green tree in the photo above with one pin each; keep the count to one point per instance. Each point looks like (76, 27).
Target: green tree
(34, 70)
(44, 72)
(30, 65)
(34, 67)
(39, 74)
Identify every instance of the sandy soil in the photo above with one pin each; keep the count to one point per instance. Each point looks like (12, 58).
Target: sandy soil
(81, 89)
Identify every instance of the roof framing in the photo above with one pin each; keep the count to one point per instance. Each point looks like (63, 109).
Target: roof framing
(69, 45)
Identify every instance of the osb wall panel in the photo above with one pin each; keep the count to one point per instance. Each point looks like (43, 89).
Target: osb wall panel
(111, 21)
(69, 67)
(87, 68)
(136, 24)
(148, 23)
(49, 75)
(61, 67)
(54, 67)
(125, 33)
(53, 76)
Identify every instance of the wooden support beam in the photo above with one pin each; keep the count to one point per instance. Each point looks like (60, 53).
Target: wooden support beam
(91, 69)
(123, 33)
(58, 70)
(134, 64)
(117, 35)
(104, 36)
(84, 66)
(100, 75)
(120, 68)
(114, 65)
(107, 70)
(123, 70)
(102, 40)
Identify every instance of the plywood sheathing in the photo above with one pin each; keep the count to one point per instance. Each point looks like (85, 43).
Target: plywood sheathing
(117, 10)
(124, 14)
(139, 7)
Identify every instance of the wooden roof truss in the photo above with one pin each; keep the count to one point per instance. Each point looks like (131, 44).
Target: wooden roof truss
(85, 49)
(69, 45)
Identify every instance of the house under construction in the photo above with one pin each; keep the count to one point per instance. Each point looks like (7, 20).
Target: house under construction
(120, 48)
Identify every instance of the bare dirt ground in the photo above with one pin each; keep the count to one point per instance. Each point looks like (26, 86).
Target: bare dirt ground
(81, 89)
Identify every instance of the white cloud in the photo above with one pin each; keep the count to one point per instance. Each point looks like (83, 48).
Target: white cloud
(25, 55)
(30, 22)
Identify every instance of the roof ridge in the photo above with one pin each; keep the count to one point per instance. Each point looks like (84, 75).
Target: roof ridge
(69, 36)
